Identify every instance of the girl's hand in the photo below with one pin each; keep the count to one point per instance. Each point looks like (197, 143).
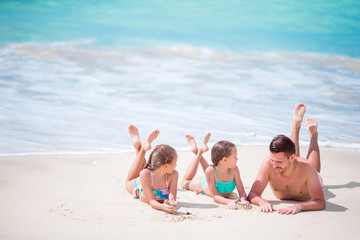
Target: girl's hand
(166, 207)
(232, 205)
(246, 205)
(171, 202)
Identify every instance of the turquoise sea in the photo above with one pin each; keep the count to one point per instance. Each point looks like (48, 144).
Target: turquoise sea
(75, 74)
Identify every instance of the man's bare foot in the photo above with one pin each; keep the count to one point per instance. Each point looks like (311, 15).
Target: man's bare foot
(298, 114)
(312, 126)
(192, 143)
(203, 146)
(134, 135)
(152, 136)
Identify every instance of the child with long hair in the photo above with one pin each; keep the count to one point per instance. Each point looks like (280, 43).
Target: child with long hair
(153, 182)
(221, 178)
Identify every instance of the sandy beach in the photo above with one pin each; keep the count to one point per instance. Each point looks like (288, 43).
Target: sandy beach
(83, 197)
(75, 74)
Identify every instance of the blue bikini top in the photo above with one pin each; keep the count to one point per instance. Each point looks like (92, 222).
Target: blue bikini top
(225, 187)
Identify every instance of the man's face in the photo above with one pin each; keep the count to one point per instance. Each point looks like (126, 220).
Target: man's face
(279, 162)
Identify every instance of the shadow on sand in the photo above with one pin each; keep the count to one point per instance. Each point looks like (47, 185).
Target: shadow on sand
(196, 205)
(332, 207)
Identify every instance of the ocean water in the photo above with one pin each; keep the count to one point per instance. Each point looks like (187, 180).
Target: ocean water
(74, 75)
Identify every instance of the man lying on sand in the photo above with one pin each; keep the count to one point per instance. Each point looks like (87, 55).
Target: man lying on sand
(290, 176)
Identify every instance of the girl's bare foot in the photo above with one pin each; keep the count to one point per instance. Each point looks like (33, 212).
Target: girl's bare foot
(312, 126)
(192, 143)
(134, 135)
(203, 146)
(298, 114)
(152, 136)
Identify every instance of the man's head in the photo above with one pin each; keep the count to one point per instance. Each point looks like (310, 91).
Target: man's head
(282, 143)
(282, 149)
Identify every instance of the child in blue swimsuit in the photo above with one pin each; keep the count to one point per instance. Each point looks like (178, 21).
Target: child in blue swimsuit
(155, 181)
(221, 178)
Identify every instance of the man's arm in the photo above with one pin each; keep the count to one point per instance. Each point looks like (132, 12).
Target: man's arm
(258, 187)
(317, 201)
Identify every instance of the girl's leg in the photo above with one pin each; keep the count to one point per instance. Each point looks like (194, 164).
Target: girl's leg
(194, 149)
(298, 115)
(314, 152)
(135, 138)
(192, 168)
(139, 162)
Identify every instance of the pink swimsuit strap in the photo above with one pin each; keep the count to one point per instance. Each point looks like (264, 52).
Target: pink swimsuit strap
(167, 184)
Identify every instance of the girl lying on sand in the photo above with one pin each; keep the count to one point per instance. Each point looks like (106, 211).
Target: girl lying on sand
(221, 178)
(154, 182)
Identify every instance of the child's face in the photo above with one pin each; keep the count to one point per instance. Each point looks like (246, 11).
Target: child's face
(172, 166)
(232, 159)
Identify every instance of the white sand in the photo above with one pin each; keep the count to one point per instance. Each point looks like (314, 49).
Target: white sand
(83, 197)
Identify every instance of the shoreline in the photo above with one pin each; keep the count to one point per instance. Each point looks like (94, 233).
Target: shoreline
(184, 149)
(82, 196)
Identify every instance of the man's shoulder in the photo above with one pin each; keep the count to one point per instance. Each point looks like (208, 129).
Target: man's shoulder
(304, 166)
(266, 162)
(303, 163)
(266, 166)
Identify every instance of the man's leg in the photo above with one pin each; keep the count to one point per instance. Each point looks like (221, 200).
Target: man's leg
(298, 115)
(314, 152)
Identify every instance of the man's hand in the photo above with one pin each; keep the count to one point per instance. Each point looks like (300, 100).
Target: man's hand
(290, 210)
(266, 207)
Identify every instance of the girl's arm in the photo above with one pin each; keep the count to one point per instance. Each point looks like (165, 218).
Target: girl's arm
(210, 175)
(239, 185)
(173, 178)
(145, 180)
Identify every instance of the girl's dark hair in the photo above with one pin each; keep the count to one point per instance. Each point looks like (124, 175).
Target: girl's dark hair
(220, 150)
(161, 155)
(282, 143)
